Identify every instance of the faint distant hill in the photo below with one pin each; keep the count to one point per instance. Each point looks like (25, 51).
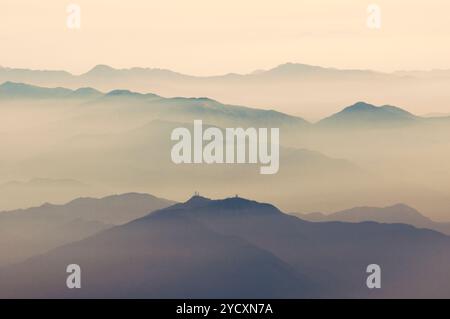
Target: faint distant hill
(314, 72)
(33, 76)
(238, 248)
(35, 230)
(362, 114)
(399, 213)
(435, 73)
(119, 76)
(25, 193)
(137, 148)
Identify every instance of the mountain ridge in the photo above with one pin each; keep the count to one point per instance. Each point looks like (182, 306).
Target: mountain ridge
(397, 213)
(100, 68)
(219, 253)
(28, 90)
(276, 86)
(362, 113)
(49, 226)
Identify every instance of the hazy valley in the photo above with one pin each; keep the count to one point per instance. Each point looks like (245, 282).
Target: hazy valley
(119, 142)
(72, 141)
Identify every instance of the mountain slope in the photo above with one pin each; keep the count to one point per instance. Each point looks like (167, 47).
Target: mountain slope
(364, 114)
(398, 213)
(36, 230)
(292, 88)
(17, 194)
(239, 248)
(152, 105)
(157, 257)
(334, 255)
(21, 90)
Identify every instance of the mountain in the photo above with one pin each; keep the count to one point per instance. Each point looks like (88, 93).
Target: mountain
(152, 104)
(171, 257)
(293, 88)
(33, 76)
(239, 248)
(362, 114)
(86, 92)
(102, 71)
(16, 194)
(20, 90)
(36, 230)
(110, 139)
(305, 71)
(114, 209)
(399, 213)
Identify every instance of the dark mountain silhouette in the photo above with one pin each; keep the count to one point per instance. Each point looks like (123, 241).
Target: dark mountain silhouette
(399, 213)
(160, 256)
(36, 230)
(315, 248)
(243, 249)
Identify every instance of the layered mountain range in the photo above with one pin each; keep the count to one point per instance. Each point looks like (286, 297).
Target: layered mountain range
(360, 113)
(292, 87)
(238, 248)
(119, 141)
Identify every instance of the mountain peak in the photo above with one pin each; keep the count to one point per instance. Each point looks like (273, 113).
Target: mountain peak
(198, 207)
(122, 93)
(360, 106)
(101, 69)
(293, 68)
(366, 107)
(197, 200)
(10, 84)
(365, 114)
(405, 210)
(86, 91)
(14, 89)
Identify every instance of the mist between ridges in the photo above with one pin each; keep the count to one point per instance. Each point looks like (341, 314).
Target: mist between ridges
(214, 145)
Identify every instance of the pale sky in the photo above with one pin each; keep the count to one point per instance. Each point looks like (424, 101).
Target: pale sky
(206, 37)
